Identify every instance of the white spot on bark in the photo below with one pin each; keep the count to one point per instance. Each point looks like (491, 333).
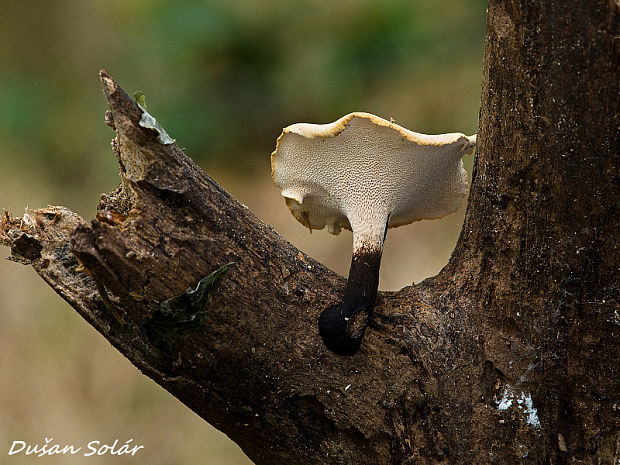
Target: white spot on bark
(525, 405)
(506, 401)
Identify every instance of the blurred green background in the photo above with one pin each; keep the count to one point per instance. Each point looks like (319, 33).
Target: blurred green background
(223, 78)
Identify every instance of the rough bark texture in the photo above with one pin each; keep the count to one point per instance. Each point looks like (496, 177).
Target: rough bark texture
(509, 355)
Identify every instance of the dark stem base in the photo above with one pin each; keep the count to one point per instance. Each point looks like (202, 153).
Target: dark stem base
(342, 326)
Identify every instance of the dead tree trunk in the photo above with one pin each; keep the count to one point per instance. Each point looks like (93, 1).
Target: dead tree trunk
(509, 355)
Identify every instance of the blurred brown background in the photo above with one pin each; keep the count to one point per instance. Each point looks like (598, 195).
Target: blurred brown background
(223, 77)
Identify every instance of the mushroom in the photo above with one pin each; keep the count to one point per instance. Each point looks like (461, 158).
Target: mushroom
(366, 174)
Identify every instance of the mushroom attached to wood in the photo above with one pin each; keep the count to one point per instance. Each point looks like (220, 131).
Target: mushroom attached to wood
(366, 174)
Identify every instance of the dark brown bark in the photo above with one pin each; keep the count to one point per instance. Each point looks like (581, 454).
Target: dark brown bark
(527, 310)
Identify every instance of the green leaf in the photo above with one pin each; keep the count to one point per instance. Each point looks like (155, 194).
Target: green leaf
(140, 98)
(188, 311)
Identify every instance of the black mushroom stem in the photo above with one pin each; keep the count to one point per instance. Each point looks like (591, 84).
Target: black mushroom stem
(342, 326)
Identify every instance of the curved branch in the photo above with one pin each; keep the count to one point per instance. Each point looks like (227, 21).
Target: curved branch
(256, 368)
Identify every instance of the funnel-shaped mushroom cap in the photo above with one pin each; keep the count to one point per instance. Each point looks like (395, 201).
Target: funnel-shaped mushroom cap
(362, 168)
(366, 174)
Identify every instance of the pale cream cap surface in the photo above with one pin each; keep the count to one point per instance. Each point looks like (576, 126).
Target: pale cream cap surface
(356, 172)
